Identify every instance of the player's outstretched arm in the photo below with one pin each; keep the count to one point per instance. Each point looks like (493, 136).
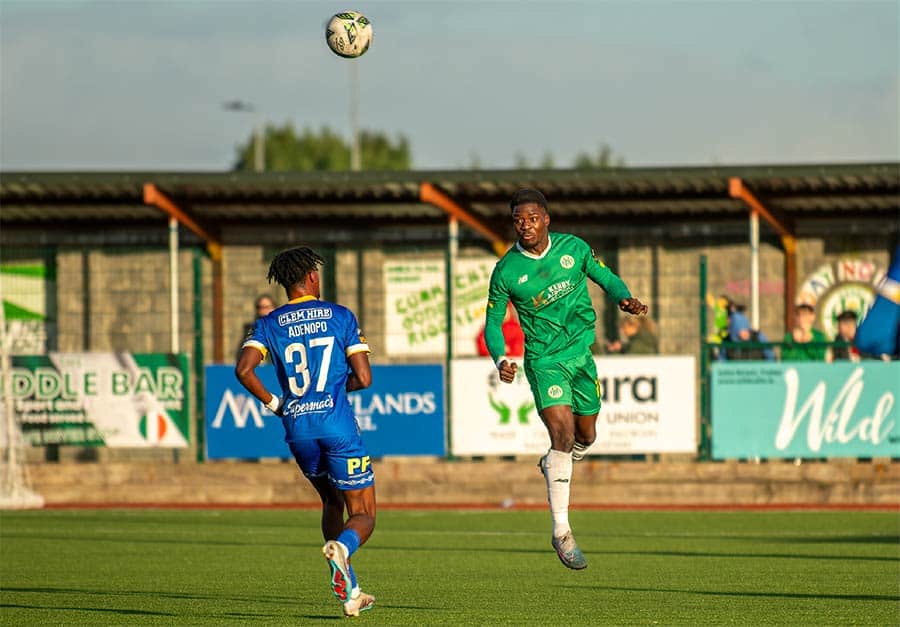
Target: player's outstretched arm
(633, 306)
(360, 376)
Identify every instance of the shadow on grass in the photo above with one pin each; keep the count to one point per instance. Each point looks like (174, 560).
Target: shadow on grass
(83, 609)
(429, 548)
(765, 595)
(871, 539)
(592, 551)
(418, 608)
(135, 540)
(258, 599)
(725, 554)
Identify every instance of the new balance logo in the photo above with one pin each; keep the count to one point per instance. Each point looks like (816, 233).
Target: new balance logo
(560, 481)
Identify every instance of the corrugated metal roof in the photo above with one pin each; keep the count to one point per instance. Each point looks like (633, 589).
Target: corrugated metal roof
(802, 190)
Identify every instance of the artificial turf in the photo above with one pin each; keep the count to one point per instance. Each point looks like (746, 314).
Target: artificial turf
(235, 567)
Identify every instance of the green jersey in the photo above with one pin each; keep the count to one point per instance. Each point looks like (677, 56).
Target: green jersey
(550, 294)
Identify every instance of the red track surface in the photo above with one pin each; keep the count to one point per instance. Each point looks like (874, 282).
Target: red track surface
(688, 507)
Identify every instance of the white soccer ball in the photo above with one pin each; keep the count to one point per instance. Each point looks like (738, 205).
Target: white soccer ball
(349, 34)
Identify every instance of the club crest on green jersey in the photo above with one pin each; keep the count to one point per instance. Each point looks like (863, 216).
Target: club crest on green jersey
(554, 391)
(567, 261)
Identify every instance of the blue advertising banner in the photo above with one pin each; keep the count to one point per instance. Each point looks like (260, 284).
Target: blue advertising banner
(805, 409)
(402, 413)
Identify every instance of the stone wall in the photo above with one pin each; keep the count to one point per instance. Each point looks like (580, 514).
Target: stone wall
(490, 483)
(117, 298)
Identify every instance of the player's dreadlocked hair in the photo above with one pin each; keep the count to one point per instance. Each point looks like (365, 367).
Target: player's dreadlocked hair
(291, 266)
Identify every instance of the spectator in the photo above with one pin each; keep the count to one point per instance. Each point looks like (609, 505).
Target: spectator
(846, 333)
(637, 337)
(512, 333)
(796, 341)
(264, 304)
(721, 307)
(739, 331)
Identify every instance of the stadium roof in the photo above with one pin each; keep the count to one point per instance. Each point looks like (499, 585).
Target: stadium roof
(43, 206)
(626, 193)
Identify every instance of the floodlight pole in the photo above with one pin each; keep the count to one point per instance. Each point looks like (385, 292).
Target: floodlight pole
(259, 137)
(259, 147)
(355, 158)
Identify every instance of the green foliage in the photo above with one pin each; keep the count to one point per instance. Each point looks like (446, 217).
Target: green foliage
(227, 567)
(323, 151)
(583, 161)
(521, 161)
(601, 160)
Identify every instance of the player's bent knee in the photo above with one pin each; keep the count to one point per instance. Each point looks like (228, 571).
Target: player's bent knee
(361, 502)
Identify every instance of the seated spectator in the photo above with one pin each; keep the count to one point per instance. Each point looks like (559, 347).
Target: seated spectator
(637, 337)
(802, 334)
(846, 333)
(739, 331)
(512, 333)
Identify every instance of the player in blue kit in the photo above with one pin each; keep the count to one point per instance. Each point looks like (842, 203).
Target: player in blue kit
(319, 354)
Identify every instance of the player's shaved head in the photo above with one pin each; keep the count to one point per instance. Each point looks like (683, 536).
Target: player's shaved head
(290, 267)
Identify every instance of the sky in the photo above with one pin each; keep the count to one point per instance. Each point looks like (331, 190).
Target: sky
(134, 85)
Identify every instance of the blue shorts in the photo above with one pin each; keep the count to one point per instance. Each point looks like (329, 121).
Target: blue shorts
(343, 459)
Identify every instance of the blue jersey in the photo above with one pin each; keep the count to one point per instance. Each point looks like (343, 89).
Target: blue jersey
(309, 341)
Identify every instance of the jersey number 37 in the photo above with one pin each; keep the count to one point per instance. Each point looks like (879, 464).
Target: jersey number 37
(295, 354)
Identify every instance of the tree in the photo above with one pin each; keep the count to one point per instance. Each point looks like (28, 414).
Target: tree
(323, 150)
(521, 162)
(603, 159)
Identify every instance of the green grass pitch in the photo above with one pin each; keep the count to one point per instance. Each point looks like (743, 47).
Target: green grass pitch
(255, 567)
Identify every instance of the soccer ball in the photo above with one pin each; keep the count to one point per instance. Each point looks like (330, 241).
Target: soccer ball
(349, 34)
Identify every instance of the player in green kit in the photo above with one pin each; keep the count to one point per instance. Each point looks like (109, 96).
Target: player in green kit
(545, 277)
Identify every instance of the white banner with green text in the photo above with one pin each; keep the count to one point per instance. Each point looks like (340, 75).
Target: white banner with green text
(416, 305)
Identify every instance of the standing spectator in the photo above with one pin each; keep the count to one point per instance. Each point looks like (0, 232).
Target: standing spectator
(796, 341)
(637, 337)
(512, 335)
(264, 304)
(846, 333)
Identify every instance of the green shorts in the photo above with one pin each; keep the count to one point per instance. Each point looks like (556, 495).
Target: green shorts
(573, 383)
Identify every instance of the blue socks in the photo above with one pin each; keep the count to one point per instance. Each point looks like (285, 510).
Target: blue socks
(349, 539)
